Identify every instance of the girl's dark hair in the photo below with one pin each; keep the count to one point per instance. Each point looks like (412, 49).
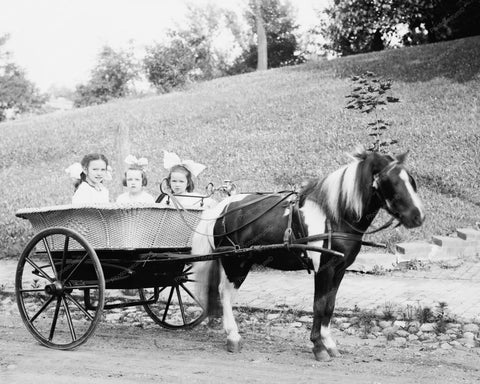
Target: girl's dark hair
(186, 172)
(144, 176)
(85, 162)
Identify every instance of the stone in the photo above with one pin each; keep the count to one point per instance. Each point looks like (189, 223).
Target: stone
(455, 344)
(296, 324)
(444, 338)
(273, 316)
(445, 346)
(412, 338)
(453, 326)
(413, 329)
(468, 335)
(350, 331)
(344, 326)
(354, 320)
(399, 323)
(473, 328)
(400, 341)
(114, 317)
(402, 333)
(428, 327)
(305, 319)
(384, 324)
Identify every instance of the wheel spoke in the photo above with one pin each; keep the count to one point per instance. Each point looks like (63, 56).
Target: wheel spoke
(64, 255)
(32, 290)
(79, 306)
(38, 269)
(180, 303)
(191, 295)
(75, 269)
(42, 309)
(54, 320)
(69, 319)
(50, 258)
(167, 306)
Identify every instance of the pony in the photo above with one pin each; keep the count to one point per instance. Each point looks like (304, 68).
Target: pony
(321, 228)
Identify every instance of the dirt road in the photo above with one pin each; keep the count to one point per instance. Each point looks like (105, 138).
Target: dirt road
(127, 354)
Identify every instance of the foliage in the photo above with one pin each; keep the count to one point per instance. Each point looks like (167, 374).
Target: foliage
(357, 26)
(170, 66)
(262, 131)
(17, 93)
(196, 52)
(282, 45)
(110, 79)
(370, 92)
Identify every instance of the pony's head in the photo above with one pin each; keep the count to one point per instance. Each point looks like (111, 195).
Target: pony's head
(350, 192)
(397, 189)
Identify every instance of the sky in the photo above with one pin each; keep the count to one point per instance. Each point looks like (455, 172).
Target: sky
(57, 41)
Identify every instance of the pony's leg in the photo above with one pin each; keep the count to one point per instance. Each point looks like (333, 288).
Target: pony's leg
(326, 287)
(227, 294)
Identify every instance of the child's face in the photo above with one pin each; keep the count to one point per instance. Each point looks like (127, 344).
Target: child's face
(95, 172)
(178, 182)
(133, 178)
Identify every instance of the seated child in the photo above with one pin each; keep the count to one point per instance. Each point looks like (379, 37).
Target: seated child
(89, 175)
(180, 183)
(135, 180)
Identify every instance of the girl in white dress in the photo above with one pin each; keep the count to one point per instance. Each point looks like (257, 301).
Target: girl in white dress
(135, 180)
(89, 175)
(180, 183)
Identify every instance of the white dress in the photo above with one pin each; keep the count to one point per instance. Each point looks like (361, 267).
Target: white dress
(142, 197)
(86, 194)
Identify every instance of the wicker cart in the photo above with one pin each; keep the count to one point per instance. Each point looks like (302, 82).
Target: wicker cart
(80, 252)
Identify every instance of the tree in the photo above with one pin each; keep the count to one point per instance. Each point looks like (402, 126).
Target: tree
(282, 45)
(357, 26)
(169, 66)
(203, 49)
(110, 78)
(17, 93)
(262, 48)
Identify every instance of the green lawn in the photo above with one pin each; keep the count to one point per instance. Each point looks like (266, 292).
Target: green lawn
(266, 130)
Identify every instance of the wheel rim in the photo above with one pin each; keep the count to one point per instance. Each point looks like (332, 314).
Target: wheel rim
(55, 270)
(176, 305)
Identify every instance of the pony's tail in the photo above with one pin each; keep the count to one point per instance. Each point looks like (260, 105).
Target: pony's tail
(207, 273)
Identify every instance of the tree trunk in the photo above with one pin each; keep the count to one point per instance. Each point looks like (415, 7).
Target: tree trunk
(262, 63)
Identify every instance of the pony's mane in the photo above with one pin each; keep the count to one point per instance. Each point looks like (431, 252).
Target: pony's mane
(345, 191)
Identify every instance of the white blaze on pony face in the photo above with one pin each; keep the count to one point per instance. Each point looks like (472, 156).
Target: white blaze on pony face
(315, 222)
(413, 195)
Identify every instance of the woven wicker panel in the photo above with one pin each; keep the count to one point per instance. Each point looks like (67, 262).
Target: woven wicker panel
(119, 227)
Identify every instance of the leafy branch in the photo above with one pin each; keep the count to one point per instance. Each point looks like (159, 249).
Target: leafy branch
(368, 94)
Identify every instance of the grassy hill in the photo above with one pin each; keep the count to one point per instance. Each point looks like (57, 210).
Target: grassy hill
(266, 130)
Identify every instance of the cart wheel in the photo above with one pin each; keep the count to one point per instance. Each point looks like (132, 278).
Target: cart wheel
(174, 306)
(55, 270)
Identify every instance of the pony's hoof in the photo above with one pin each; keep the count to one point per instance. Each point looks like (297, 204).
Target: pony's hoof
(233, 346)
(321, 355)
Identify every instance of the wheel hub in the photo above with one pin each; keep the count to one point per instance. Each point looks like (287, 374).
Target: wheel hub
(55, 289)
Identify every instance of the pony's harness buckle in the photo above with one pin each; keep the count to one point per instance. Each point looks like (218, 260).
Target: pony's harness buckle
(287, 236)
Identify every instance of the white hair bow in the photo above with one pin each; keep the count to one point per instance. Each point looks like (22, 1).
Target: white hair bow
(74, 171)
(133, 161)
(171, 159)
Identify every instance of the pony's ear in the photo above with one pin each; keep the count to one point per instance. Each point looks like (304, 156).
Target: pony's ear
(402, 157)
(360, 153)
